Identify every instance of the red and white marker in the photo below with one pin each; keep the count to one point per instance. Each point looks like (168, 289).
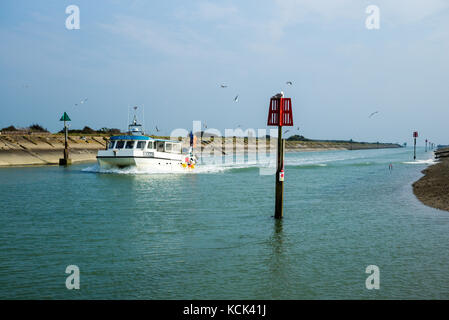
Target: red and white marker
(281, 175)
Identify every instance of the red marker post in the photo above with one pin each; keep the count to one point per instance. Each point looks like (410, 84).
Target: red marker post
(415, 135)
(280, 114)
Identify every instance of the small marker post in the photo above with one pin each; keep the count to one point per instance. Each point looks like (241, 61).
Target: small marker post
(415, 135)
(66, 160)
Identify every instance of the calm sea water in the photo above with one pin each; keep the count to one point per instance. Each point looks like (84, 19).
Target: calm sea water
(211, 235)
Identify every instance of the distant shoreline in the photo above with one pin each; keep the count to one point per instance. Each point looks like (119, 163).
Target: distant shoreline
(46, 149)
(433, 188)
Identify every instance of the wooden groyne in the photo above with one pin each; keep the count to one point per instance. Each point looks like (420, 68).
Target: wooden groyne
(442, 153)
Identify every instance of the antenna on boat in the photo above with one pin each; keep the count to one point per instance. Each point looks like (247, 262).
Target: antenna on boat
(127, 123)
(143, 119)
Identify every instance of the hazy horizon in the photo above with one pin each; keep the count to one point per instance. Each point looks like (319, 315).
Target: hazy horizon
(171, 58)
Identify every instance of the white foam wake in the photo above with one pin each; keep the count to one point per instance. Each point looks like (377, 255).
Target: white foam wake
(207, 167)
(428, 161)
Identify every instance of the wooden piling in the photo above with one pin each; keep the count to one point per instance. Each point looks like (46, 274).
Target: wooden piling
(279, 210)
(414, 149)
(280, 114)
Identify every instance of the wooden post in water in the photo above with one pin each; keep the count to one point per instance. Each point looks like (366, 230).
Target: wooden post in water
(415, 135)
(279, 210)
(280, 114)
(66, 160)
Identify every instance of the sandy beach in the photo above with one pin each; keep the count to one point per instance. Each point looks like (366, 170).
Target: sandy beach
(433, 188)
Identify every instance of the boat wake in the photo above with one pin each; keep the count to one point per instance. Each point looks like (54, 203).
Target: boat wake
(428, 161)
(199, 169)
(266, 166)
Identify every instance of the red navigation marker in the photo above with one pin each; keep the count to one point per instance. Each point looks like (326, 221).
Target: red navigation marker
(415, 135)
(280, 112)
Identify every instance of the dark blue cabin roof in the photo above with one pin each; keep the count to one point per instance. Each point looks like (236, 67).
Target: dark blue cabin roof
(129, 137)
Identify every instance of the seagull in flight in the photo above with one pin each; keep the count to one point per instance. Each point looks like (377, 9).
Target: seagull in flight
(236, 99)
(223, 86)
(372, 114)
(81, 102)
(157, 129)
(289, 83)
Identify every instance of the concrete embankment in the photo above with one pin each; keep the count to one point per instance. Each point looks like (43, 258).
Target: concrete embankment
(21, 150)
(46, 149)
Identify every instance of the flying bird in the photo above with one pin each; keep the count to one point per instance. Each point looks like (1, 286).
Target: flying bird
(236, 99)
(372, 114)
(223, 85)
(289, 83)
(81, 102)
(157, 129)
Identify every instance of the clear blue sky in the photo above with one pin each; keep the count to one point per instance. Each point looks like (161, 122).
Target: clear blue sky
(171, 56)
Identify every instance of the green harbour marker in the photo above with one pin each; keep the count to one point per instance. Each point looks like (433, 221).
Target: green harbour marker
(65, 161)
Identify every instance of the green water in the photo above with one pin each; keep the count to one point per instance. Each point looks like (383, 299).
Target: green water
(210, 235)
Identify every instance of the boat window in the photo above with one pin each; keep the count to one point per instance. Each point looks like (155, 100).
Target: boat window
(150, 145)
(111, 144)
(141, 145)
(129, 144)
(176, 148)
(160, 146)
(168, 147)
(120, 144)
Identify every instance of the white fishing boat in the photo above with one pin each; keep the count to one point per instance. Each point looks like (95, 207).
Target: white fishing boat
(135, 149)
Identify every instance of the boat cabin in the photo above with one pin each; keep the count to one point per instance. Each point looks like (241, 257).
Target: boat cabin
(144, 143)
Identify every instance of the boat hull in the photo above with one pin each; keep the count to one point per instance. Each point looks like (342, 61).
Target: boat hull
(124, 162)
